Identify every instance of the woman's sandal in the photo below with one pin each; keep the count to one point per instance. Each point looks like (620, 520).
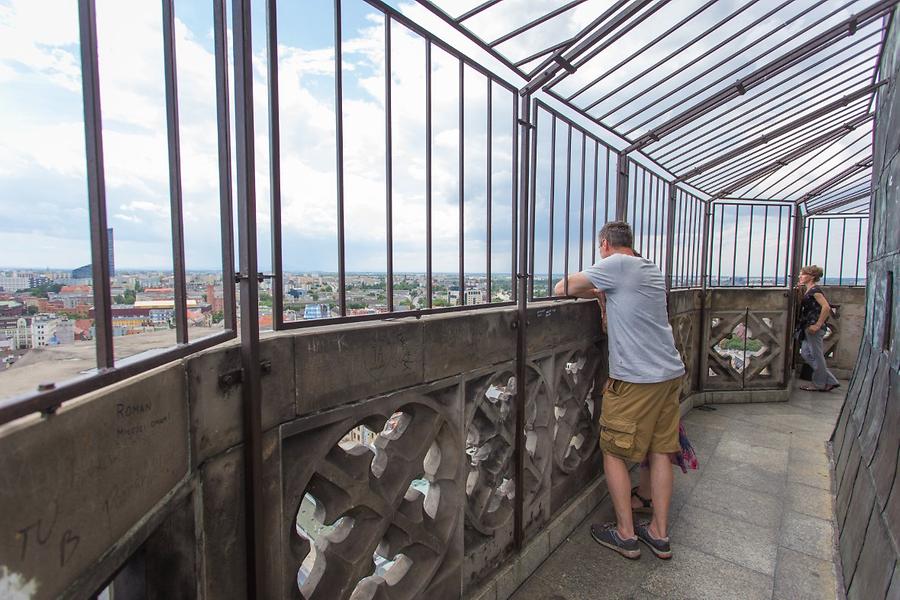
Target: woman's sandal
(646, 506)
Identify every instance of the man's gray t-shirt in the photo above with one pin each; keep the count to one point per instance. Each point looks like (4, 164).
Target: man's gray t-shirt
(641, 345)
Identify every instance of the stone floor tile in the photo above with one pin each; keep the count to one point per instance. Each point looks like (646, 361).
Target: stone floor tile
(773, 460)
(697, 575)
(580, 567)
(808, 535)
(818, 458)
(808, 441)
(802, 577)
(813, 475)
(811, 501)
(742, 543)
(740, 503)
(748, 434)
(746, 475)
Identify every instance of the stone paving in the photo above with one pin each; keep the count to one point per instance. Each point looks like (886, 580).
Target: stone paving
(755, 521)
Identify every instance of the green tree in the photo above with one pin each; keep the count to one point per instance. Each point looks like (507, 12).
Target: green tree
(439, 302)
(218, 316)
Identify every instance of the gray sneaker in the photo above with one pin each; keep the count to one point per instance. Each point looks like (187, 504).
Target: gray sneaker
(658, 546)
(606, 535)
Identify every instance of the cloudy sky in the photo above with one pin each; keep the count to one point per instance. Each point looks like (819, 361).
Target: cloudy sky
(42, 164)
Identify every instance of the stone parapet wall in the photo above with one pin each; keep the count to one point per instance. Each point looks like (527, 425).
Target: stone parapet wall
(866, 440)
(142, 482)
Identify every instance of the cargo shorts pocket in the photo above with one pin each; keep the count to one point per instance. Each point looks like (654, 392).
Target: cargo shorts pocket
(617, 432)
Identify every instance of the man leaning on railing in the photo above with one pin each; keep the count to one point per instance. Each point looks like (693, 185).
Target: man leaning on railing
(640, 413)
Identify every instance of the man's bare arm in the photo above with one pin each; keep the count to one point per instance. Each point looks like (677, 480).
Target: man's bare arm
(579, 286)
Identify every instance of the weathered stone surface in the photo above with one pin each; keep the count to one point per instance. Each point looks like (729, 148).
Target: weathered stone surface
(848, 324)
(224, 550)
(716, 534)
(338, 364)
(454, 343)
(374, 499)
(802, 577)
(216, 417)
(884, 462)
(853, 531)
(77, 481)
(550, 327)
(809, 535)
(735, 502)
(694, 574)
(874, 569)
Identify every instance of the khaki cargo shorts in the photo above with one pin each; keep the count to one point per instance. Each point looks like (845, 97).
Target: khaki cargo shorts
(638, 418)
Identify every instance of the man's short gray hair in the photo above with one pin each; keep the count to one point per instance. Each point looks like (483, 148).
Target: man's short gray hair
(617, 233)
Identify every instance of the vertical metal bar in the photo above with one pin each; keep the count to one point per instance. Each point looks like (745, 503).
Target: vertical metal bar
(532, 192)
(93, 139)
(643, 173)
(762, 262)
(223, 125)
(607, 178)
(388, 167)
(521, 331)
(794, 252)
(827, 240)
(581, 217)
(737, 218)
(705, 259)
(662, 218)
(552, 202)
(490, 108)
(670, 241)
(568, 210)
(275, 165)
(721, 240)
(778, 246)
(595, 202)
(706, 248)
(750, 244)
(858, 252)
(681, 209)
(516, 240)
(339, 151)
(843, 241)
(428, 168)
(746, 325)
(462, 183)
(175, 195)
(250, 387)
(621, 186)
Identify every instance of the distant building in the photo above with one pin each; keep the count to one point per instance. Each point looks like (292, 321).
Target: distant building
(86, 272)
(51, 330)
(16, 332)
(316, 311)
(12, 281)
(11, 308)
(39, 281)
(474, 297)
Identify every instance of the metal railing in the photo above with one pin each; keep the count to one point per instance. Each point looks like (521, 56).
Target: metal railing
(572, 193)
(647, 210)
(736, 259)
(842, 264)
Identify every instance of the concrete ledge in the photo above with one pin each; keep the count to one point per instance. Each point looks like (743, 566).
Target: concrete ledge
(521, 566)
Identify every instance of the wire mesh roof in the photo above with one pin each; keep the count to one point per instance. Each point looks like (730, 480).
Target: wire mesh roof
(760, 99)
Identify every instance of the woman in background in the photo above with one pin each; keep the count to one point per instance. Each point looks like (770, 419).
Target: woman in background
(814, 312)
